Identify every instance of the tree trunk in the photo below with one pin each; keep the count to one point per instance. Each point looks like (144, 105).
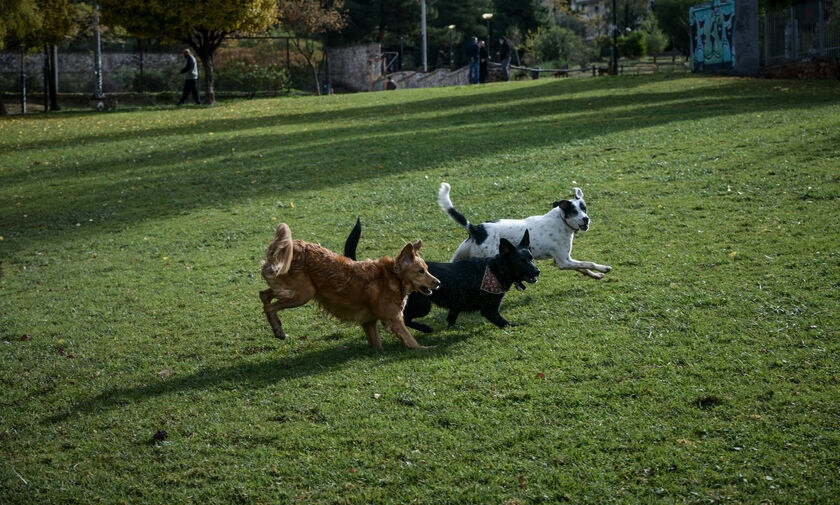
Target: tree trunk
(54, 78)
(209, 90)
(3, 111)
(207, 63)
(46, 79)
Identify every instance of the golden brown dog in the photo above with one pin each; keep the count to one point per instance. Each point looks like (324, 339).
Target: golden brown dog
(361, 291)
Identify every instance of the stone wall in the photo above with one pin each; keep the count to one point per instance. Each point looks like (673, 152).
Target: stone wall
(352, 68)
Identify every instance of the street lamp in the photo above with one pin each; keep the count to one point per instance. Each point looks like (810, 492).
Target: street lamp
(614, 43)
(487, 16)
(451, 54)
(423, 29)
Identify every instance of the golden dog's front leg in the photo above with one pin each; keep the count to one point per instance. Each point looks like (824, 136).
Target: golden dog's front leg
(397, 326)
(372, 334)
(271, 313)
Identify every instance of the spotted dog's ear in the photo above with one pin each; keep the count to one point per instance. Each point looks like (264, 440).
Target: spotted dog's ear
(578, 193)
(563, 204)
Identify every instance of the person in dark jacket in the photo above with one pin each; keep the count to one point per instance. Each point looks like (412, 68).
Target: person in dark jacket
(483, 59)
(472, 59)
(504, 56)
(190, 72)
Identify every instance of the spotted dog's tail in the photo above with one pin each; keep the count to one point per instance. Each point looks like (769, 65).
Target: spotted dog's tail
(279, 252)
(446, 204)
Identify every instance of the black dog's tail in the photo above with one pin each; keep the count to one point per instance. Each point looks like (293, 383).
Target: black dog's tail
(446, 204)
(353, 240)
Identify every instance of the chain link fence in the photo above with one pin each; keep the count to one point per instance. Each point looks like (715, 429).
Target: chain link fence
(147, 72)
(807, 31)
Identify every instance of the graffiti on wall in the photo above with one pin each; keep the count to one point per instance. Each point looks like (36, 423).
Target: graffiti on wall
(712, 36)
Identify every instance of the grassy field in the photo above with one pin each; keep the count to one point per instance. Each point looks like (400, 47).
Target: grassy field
(704, 368)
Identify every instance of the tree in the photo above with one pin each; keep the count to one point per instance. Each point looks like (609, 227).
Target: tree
(673, 20)
(374, 20)
(34, 23)
(527, 15)
(200, 25)
(655, 39)
(308, 19)
(59, 20)
(555, 45)
(633, 45)
(18, 19)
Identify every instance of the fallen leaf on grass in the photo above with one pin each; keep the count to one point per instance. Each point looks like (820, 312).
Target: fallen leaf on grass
(541, 375)
(164, 374)
(25, 337)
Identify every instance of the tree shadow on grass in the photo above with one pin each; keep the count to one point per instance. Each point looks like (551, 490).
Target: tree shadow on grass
(473, 96)
(255, 375)
(274, 162)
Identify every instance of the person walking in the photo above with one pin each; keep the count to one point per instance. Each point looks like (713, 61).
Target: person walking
(472, 59)
(504, 55)
(483, 59)
(190, 72)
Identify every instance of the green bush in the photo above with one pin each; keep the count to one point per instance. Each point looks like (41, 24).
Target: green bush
(633, 46)
(655, 39)
(250, 78)
(556, 44)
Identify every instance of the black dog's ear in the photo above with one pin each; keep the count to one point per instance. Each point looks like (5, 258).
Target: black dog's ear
(526, 240)
(505, 247)
(563, 204)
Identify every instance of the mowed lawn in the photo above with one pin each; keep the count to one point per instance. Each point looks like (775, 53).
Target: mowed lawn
(704, 368)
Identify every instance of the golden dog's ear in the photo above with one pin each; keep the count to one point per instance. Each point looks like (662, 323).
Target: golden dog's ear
(404, 259)
(418, 245)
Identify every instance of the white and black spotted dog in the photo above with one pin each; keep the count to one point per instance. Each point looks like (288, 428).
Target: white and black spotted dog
(551, 233)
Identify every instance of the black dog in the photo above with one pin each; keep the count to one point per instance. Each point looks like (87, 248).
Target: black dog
(467, 285)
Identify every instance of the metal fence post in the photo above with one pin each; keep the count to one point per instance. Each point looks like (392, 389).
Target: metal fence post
(22, 81)
(766, 39)
(820, 26)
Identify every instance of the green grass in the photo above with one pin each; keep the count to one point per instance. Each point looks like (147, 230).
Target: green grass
(703, 368)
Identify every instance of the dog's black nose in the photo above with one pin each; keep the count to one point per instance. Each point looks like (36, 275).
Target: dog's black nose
(437, 285)
(586, 220)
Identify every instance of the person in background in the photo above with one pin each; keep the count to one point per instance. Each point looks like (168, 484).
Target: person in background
(483, 59)
(472, 58)
(190, 72)
(504, 56)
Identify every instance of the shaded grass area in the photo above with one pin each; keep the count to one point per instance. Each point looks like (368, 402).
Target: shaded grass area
(703, 368)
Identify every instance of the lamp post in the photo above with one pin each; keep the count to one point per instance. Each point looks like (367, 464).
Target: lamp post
(423, 28)
(487, 16)
(97, 56)
(451, 54)
(615, 43)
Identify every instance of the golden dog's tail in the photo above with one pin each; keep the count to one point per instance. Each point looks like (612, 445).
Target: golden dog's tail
(279, 252)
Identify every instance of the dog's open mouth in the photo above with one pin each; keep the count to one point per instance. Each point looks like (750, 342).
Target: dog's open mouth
(521, 287)
(584, 227)
(426, 291)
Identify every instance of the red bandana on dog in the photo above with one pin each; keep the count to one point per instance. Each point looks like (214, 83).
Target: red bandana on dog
(490, 283)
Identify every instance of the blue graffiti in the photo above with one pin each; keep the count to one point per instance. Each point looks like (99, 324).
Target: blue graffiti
(712, 36)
